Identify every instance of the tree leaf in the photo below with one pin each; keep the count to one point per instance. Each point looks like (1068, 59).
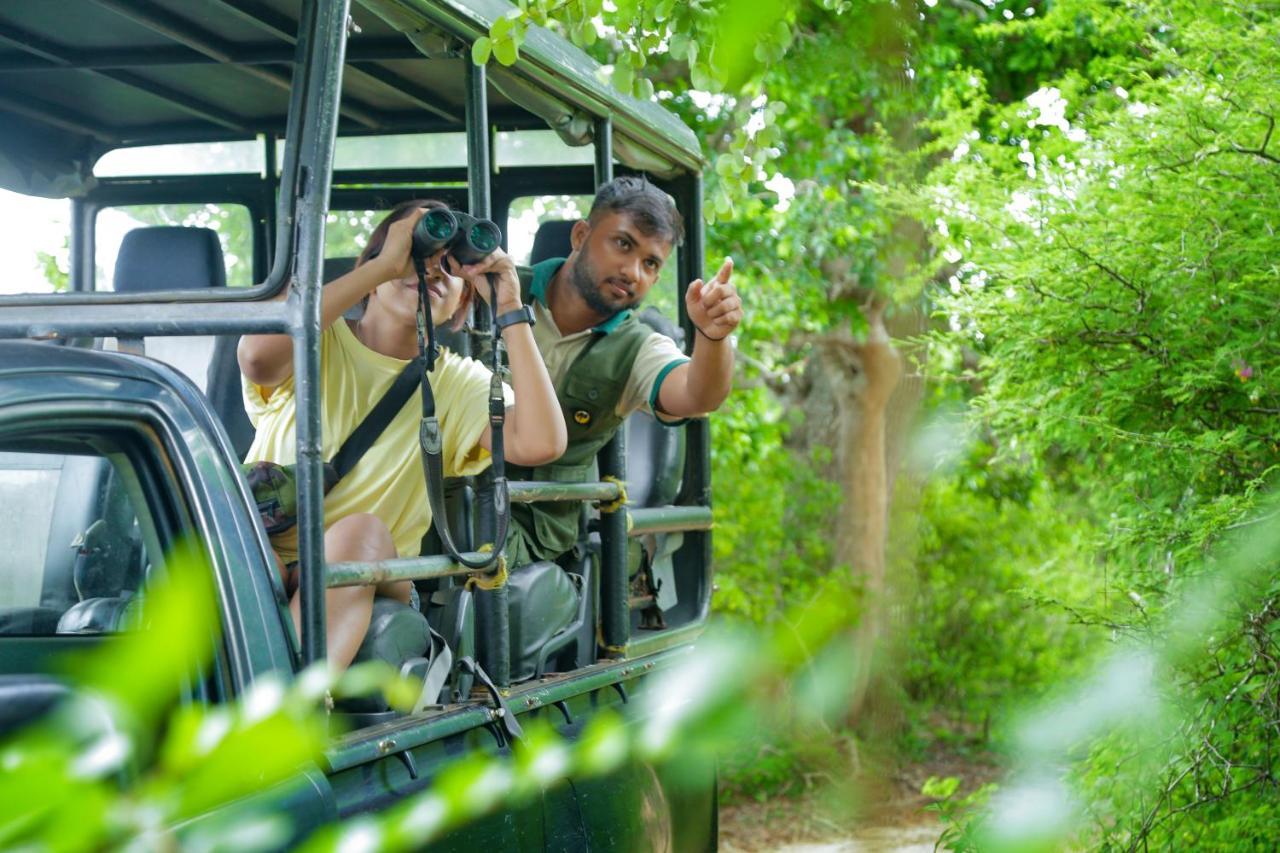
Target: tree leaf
(481, 49)
(506, 51)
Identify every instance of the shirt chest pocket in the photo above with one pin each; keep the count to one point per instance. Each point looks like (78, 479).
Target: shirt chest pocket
(590, 404)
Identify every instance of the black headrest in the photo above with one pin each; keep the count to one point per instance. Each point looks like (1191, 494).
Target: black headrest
(167, 257)
(552, 240)
(335, 267)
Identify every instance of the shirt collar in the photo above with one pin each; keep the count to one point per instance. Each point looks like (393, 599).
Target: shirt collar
(544, 271)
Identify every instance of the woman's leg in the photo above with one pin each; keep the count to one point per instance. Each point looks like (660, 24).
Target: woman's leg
(361, 537)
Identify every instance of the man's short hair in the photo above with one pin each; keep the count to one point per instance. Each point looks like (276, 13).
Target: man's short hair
(652, 210)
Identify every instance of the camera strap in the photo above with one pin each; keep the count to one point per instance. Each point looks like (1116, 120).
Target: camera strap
(429, 432)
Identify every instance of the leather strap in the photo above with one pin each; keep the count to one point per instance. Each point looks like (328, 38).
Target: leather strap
(431, 441)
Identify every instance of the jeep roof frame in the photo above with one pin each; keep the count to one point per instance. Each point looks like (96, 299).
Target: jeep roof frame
(169, 67)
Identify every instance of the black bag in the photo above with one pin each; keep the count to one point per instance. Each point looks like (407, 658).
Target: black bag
(275, 486)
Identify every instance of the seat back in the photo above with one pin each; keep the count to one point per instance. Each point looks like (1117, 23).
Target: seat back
(551, 240)
(655, 453)
(166, 257)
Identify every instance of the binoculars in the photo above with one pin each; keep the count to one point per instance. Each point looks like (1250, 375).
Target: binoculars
(469, 240)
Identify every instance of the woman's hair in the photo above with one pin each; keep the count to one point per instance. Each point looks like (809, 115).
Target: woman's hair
(379, 237)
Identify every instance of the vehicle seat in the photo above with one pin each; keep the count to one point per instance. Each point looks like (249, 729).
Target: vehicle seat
(551, 240)
(165, 257)
(24, 698)
(107, 575)
(655, 453)
(402, 637)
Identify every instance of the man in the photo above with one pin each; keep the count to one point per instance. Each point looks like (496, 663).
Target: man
(606, 364)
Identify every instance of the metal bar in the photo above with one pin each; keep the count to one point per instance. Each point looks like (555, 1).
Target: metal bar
(56, 117)
(604, 151)
(406, 87)
(362, 746)
(262, 17)
(545, 63)
(101, 319)
(615, 613)
(493, 631)
(184, 33)
(177, 57)
(653, 642)
(82, 246)
(412, 568)
(280, 27)
(391, 123)
(211, 296)
(534, 491)
(696, 486)
(669, 519)
(62, 57)
(322, 39)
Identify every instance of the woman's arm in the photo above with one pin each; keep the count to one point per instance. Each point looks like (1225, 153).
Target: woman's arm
(534, 432)
(267, 360)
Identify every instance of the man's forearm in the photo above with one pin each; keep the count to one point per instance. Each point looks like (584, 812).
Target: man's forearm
(536, 431)
(710, 374)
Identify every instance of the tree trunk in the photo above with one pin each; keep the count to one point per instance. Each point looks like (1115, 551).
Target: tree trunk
(863, 377)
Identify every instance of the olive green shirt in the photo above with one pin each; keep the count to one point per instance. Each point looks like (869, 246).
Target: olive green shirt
(656, 359)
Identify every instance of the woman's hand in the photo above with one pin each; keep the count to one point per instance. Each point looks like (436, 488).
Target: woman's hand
(499, 264)
(394, 260)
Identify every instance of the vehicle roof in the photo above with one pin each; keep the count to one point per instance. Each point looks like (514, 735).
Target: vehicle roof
(79, 77)
(18, 357)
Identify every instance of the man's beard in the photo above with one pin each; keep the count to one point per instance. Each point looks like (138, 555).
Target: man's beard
(585, 283)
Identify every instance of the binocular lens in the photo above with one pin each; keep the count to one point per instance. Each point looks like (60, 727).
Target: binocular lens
(439, 224)
(484, 237)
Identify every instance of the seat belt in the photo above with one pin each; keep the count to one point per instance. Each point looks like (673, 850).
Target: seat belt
(438, 668)
(506, 722)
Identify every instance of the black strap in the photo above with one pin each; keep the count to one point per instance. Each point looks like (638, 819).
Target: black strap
(429, 436)
(374, 423)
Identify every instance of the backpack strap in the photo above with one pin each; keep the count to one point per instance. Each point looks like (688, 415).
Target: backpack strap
(374, 423)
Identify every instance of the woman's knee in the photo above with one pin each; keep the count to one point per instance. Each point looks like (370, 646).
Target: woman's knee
(362, 536)
(399, 590)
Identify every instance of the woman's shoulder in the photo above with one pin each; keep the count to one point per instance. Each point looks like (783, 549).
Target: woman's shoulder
(451, 365)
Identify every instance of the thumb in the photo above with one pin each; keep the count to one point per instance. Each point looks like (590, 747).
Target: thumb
(694, 293)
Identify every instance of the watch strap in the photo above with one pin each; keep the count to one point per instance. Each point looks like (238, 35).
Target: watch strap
(523, 314)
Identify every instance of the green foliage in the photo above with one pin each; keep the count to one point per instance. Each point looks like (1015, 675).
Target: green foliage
(1000, 565)
(956, 811)
(62, 785)
(118, 765)
(57, 268)
(1107, 247)
(774, 513)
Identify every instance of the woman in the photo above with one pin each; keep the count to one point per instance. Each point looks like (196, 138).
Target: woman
(379, 510)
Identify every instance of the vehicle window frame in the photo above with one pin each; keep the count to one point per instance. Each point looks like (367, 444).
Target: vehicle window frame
(126, 434)
(252, 192)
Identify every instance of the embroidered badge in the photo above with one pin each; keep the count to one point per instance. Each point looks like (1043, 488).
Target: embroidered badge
(582, 417)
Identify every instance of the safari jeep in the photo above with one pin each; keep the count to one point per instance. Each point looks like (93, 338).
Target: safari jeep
(196, 158)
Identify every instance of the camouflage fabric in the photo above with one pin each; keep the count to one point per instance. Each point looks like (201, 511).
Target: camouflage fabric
(275, 491)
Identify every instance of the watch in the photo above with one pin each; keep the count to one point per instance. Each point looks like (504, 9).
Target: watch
(523, 314)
